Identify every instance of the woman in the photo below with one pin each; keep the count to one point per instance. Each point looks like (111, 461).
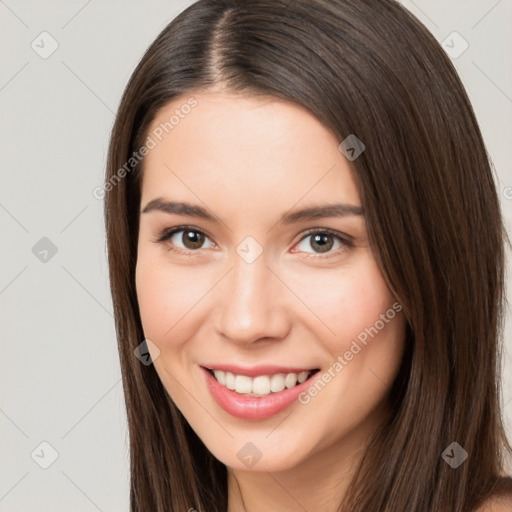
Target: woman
(306, 260)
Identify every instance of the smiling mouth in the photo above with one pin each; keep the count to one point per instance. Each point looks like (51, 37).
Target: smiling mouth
(261, 385)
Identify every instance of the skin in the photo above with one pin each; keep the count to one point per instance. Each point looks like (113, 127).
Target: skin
(249, 161)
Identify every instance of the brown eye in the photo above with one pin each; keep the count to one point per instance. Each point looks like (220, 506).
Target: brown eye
(322, 242)
(319, 242)
(184, 239)
(192, 239)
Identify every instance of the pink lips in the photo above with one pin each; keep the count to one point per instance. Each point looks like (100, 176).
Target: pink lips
(254, 408)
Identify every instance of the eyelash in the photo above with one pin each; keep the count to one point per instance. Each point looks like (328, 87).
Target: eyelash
(167, 233)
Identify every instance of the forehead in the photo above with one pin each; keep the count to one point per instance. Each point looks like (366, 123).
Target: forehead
(246, 150)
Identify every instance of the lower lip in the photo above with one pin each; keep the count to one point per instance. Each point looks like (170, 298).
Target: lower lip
(253, 408)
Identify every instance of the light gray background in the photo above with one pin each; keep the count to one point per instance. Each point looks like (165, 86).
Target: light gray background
(59, 374)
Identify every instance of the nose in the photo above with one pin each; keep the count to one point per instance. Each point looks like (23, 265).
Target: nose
(252, 303)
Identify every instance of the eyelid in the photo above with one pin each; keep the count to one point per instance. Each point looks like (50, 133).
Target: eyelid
(166, 233)
(342, 236)
(345, 239)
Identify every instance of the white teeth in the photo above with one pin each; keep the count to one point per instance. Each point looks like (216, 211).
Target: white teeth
(302, 377)
(262, 385)
(230, 380)
(243, 384)
(220, 376)
(277, 382)
(290, 380)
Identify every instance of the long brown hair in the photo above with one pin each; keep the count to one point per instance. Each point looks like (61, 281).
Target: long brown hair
(367, 68)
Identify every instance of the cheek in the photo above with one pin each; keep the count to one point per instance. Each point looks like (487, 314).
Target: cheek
(348, 303)
(164, 296)
(168, 304)
(172, 300)
(150, 291)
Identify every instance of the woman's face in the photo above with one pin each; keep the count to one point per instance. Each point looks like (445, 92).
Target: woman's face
(262, 282)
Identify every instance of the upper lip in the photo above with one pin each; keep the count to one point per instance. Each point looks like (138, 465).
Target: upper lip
(254, 371)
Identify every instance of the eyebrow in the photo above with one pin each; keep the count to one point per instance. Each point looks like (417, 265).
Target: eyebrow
(313, 212)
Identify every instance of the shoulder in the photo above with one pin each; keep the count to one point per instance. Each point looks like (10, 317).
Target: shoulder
(497, 504)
